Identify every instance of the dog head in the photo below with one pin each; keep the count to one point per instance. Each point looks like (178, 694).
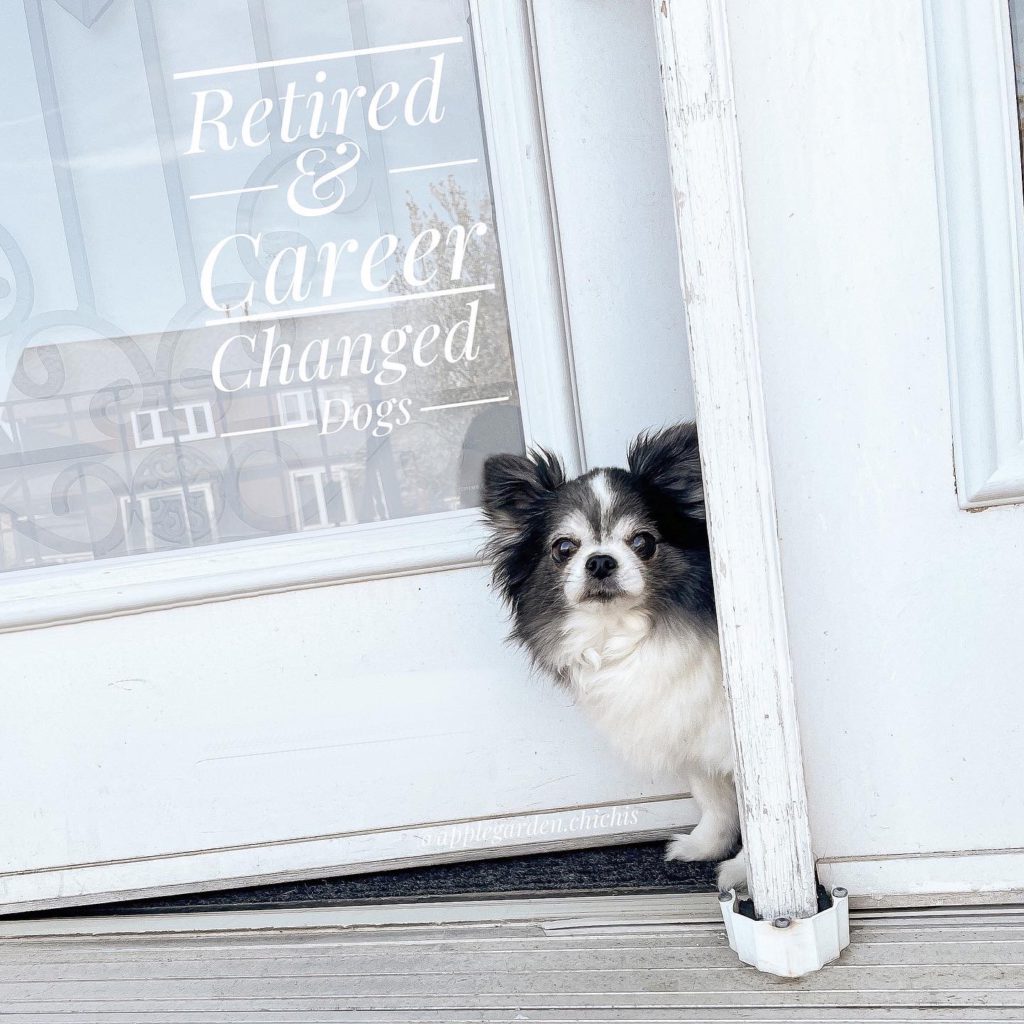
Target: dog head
(612, 539)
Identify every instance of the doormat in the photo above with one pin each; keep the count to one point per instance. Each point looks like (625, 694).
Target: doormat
(632, 868)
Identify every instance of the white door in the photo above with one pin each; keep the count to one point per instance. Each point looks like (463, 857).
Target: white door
(883, 194)
(272, 287)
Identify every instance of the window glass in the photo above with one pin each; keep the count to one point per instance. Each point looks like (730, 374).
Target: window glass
(1017, 35)
(250, 277)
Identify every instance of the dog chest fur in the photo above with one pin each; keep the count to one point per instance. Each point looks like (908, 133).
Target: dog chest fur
(656, 692)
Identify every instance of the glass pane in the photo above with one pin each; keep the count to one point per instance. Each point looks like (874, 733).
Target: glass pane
(250, 280)
(1017, 36)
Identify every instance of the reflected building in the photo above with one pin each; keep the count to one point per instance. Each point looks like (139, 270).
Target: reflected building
(112, 447)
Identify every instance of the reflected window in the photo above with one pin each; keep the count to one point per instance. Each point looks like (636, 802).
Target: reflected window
(1017, 36)
(309, 498)
(296, 408)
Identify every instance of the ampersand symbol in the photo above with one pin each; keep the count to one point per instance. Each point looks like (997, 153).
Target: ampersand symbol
(328, 189)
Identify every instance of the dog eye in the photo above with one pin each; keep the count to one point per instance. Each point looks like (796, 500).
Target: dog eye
(643, 545)
(563, 549)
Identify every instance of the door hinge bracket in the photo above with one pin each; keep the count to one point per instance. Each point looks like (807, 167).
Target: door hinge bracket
(788, 947)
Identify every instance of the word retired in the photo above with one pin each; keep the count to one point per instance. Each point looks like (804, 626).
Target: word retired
(320, 114)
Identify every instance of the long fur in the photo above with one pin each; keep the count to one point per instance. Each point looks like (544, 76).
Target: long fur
(638, 645)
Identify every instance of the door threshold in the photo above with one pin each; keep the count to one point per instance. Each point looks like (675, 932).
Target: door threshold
(550, 912)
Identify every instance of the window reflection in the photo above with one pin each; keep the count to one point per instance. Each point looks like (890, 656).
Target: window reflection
(135, 414)
(1017, 35)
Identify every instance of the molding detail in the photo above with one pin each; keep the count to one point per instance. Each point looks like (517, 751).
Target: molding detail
(710, 216)
(937, 878)
(54, 595)
(981, 218)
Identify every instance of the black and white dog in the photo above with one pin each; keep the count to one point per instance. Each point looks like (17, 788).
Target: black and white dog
(608, 578)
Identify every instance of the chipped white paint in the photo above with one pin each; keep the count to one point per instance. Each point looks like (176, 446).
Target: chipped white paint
(705, 160)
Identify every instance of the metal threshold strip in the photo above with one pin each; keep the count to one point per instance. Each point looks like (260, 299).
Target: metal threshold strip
(652, 957)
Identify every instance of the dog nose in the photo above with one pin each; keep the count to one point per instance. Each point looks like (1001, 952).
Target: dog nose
(600, 566)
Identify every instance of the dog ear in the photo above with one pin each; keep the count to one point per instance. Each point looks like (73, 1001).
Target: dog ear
(669, 461)
(514, 484)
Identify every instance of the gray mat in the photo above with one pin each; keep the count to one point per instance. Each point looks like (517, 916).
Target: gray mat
(632, 868)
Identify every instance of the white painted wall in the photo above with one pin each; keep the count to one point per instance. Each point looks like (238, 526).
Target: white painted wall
(906, 613)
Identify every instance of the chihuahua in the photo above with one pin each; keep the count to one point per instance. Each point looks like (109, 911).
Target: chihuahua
(608, 581)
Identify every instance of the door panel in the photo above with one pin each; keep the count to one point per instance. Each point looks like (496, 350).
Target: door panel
(312, 732)
(904, 609)
(313, 676)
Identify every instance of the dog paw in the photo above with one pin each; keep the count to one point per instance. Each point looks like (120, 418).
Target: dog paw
(732, 873)
(683, 847)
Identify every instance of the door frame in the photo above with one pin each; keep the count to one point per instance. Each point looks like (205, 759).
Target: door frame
(715, 270)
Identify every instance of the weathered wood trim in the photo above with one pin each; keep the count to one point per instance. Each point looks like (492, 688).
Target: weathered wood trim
(710, 214)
